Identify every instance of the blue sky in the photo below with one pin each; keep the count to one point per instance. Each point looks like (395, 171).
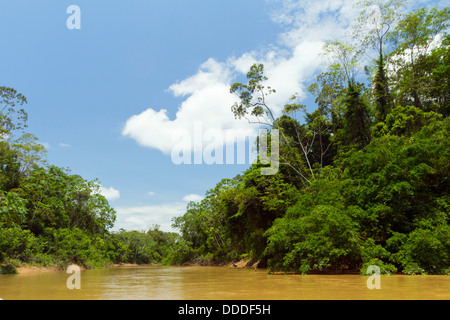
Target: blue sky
(104, 99)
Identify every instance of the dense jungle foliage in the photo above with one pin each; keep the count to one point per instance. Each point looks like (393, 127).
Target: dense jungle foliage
(364, 177)
(50, 217)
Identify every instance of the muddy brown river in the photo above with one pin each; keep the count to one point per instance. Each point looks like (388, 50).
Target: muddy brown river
(216, 283)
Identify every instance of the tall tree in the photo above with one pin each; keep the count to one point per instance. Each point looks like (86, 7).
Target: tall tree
(381, 91)
(30, 152)
(344, 58)
(376, 22)
(357, 118)
(253, 104)
(437, 86)
(9, 167)
(416, 35)
(12, 117)
(373, 29)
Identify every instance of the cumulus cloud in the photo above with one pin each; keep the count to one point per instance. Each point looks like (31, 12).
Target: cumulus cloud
(289, 64)
(193, 197)
(110, 194)
(142, 217)
(208, 100)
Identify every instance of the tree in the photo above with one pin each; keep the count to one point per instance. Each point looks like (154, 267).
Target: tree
(140, 247)
(317, 233)
(12, 209)
(400, 180)
(207, 225)
(415, 36)
(376, 22)
(333, 90)
(357, 118)
(344, 58)
(329, 89)
(9, 167)
(404, 121)
(296, 153)
(381, 91)
(60, 200)
(253, 98)
(12, 118)
(30, 152)
(437, 86)
(373, 29)
(258, 201)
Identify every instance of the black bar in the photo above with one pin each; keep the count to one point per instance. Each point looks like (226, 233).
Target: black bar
(265, 309)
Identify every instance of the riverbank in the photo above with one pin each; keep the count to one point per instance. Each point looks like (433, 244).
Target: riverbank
(31, 269)
(241, 264)
(36, 269)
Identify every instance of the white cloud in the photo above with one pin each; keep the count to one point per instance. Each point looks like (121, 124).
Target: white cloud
(192, 197)
(151, 193)
(64, 145)
(288, 64)
(142, 217)
(109, 193)
(310, 15)
(208, 100)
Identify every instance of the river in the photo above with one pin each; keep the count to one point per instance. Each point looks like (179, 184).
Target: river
(216, 283)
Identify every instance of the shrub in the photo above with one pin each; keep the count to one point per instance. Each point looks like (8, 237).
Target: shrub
(16, 243)
(325, 239)
(75, 246)
(8, 269)
(428, 250)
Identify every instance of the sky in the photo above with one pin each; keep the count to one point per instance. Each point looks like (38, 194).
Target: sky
(113, 99)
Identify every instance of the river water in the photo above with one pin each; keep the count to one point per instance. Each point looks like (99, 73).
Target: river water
(216, 283)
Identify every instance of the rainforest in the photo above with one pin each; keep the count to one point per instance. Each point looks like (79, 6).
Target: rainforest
(363, 174)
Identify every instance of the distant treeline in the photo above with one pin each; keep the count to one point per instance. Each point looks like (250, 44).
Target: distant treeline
(50, 217)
